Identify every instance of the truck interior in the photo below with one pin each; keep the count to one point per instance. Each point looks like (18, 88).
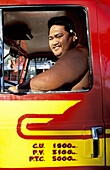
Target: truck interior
(25, 40)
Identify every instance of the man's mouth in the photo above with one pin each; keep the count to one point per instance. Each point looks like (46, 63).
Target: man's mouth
(55, 48)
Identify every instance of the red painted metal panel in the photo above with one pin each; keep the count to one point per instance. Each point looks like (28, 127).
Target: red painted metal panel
(88, 112)
(39, 2)
(57, 168)
(104, 39)
(104, 29)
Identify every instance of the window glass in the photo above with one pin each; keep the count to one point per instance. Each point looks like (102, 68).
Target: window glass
(1, 54)
(13, 65)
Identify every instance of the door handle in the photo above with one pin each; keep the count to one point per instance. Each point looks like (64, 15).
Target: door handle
(96, 131)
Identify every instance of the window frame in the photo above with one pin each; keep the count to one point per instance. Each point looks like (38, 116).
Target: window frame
(48, 8)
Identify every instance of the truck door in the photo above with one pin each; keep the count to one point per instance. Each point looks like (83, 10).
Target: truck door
(54, 129)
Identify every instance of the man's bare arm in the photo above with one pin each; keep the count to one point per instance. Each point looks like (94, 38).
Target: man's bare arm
(68, 69)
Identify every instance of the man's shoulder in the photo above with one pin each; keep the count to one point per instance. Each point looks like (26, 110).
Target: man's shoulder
(79, 51)
(74, 55)
(80, 47)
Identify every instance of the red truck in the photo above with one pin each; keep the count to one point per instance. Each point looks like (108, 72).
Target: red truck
(55, 129)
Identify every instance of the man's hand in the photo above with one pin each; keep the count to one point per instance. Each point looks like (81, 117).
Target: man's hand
(20, 88)
(13, 89)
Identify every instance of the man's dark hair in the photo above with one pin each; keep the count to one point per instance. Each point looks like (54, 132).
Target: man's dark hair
(62, 20)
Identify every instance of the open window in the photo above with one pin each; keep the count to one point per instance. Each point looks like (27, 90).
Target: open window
(26, 52)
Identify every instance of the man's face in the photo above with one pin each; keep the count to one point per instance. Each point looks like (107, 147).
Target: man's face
(59, 40)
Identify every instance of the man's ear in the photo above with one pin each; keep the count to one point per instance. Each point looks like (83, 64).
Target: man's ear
(74, 36)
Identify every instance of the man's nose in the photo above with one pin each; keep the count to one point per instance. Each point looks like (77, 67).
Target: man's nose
(55, 41)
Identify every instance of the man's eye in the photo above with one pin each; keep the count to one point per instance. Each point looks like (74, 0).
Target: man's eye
(50, 38)
(60, 35)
